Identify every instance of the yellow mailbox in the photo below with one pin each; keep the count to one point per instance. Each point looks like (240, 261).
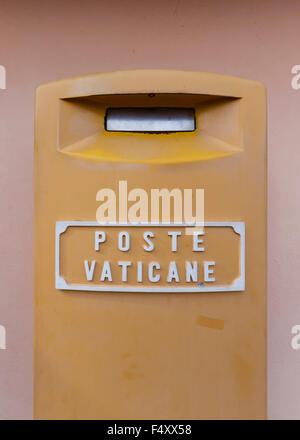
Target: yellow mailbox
(145, 309)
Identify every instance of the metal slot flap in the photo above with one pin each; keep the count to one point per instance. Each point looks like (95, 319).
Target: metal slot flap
(150, 120)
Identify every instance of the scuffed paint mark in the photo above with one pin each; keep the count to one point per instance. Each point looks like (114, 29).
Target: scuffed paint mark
(125, 356)
(132, 372)
(205, 321)
(243, 375)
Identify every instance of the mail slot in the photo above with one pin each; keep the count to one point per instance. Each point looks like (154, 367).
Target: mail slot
(150, 120)
(150, 247)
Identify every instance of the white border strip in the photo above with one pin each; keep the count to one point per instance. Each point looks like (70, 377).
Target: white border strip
(61, 284)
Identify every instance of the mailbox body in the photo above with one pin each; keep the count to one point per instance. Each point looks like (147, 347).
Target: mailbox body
(142, 350)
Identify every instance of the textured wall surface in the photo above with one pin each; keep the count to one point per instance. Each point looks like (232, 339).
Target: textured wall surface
(41, 42)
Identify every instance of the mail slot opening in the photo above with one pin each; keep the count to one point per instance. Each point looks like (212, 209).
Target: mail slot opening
(150, 120)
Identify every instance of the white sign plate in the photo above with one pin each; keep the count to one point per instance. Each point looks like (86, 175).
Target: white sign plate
(159, 258)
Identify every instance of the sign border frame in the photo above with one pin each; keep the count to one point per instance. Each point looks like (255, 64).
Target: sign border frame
(61, 284)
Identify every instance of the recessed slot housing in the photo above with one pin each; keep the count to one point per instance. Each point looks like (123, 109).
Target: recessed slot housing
(188, 127)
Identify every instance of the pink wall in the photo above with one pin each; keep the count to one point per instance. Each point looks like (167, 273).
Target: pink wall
(42, 42)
